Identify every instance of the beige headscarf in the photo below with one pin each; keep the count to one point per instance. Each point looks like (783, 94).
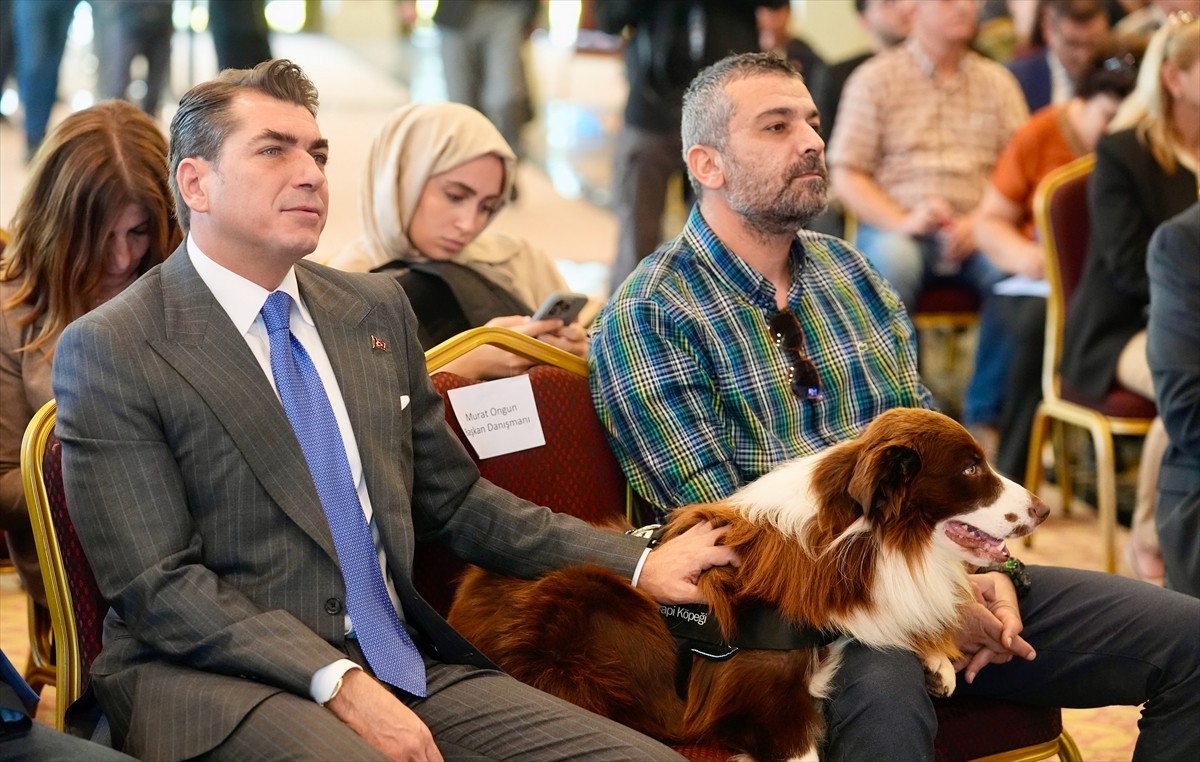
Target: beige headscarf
(416, 142)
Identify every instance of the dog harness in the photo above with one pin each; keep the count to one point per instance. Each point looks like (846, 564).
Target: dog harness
(697, 632)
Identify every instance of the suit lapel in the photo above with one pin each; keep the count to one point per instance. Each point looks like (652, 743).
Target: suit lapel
(203, 346)
(351, 329)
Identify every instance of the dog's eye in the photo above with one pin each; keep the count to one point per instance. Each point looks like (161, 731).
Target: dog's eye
(971, 470)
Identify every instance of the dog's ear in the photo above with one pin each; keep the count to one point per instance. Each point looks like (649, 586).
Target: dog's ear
(882, 476)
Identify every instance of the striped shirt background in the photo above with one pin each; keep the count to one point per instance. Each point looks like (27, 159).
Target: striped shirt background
(694, 392)
(919, 138)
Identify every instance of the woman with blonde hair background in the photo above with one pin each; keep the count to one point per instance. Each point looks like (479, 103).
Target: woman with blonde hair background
(437, 175)
(95, 213)
(1146, 172)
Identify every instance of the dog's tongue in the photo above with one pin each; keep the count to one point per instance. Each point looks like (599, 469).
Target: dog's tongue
(977, 540)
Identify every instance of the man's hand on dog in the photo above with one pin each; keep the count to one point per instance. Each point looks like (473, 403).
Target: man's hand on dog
(672, 569)
(991, 630)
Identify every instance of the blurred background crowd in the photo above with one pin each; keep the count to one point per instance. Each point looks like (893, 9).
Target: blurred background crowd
(941, 118)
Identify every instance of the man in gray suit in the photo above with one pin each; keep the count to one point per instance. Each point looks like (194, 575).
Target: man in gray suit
(1173, 351)
(230, 634)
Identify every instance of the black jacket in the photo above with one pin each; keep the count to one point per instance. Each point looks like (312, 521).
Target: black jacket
(671, 41)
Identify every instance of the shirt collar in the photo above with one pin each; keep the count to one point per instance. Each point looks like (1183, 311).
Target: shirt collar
(1062, 85)
(744, 278)
(241, 299)
(925, 63)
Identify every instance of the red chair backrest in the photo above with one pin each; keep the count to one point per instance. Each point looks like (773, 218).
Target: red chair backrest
(1067, 215)
(86, 601)
(575, 472)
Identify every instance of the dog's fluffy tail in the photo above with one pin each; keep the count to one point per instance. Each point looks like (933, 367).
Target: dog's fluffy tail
(582, 634)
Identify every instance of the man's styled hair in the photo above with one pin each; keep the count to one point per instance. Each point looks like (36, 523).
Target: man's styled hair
(707, 108)
(1076, 11)
(205, 118)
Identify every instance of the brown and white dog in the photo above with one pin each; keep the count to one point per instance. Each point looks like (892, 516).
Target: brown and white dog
(869, 540)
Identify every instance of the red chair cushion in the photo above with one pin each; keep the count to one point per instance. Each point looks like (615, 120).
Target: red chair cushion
(700, 752)
(86, 601)
(970, 728)
(1118, 403)
(938, 299)
(1067, 214)
(574, 472)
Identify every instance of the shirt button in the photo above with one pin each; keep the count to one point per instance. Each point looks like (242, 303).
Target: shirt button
(333, 606)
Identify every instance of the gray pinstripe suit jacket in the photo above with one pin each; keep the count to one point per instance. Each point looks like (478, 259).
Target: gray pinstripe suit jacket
(193, 503)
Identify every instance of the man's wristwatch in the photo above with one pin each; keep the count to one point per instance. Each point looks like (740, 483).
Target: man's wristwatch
(1014, 570)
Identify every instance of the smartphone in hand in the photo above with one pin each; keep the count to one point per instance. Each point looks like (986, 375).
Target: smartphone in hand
(564, 306)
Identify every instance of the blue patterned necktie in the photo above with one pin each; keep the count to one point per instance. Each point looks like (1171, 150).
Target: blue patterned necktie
(388, 648)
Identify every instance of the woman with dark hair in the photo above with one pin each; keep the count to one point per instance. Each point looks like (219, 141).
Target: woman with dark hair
(95, 213)
(1054, 136)
(437, 174)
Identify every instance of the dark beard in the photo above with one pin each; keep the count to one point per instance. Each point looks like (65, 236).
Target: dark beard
(792, 208)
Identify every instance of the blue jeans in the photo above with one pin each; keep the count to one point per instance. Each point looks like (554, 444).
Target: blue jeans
(1100, 640)
(40, 34)
(910, 264)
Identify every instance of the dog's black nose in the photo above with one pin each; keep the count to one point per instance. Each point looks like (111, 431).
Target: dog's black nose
(1037, 508)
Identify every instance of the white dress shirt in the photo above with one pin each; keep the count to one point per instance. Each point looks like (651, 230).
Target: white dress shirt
(243, 300)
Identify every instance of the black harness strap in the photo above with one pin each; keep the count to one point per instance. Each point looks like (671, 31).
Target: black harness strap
(697, 633)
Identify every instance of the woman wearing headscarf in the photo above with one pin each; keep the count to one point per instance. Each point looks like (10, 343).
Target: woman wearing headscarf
(437, 174)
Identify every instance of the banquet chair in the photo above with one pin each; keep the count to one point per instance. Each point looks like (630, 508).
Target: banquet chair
(41, 669)
(574, 472)
(77, 608)
(577, 473)
(944, 312)
(1061, 215)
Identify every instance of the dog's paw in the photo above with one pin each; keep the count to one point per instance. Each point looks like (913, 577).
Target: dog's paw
(939, 676)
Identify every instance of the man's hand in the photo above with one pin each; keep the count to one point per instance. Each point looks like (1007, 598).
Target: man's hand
(959, 238)
(991, 632)
(382, 720)
(927, 217)
(671, 570)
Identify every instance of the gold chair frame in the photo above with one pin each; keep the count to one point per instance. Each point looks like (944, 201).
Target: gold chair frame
(507, 339)
(54, 573)
(1064, 746)
(1055, 410)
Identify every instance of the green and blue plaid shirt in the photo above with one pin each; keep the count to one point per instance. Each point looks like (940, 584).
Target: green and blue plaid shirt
(693, 390)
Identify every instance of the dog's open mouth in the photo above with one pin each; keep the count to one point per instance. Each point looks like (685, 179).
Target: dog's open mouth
(976, 540)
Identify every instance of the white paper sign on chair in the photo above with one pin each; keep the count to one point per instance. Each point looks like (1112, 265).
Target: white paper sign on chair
(499, 416)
